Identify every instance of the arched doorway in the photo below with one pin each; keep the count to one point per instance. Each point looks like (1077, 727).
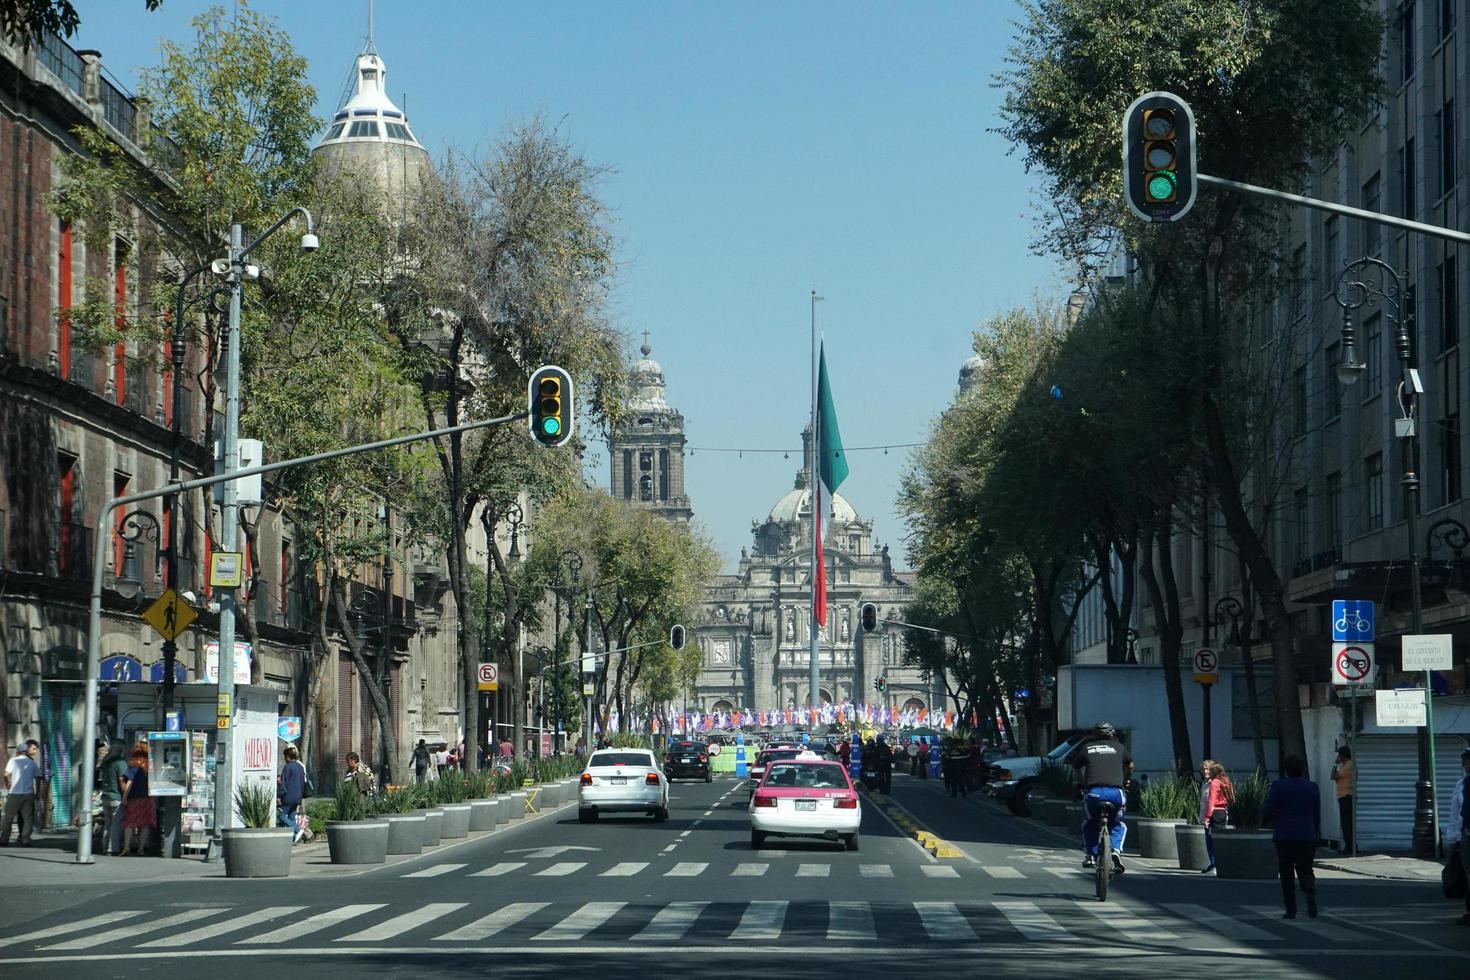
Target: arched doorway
(825, 695)
(914, 704)
(721, 707)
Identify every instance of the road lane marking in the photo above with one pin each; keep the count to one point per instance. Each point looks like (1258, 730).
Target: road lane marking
(1119, 918)
(624, 869)
(749, 870)
(875, 870)
(215, 929)
(944, 923)
(672, 921)
(1002, 872)
(684, 834)
(580, 922)
(504, 867)
(434, 871)
(1068, 873)
(561, 869)
(686, 869)
(1028, 919)
(497, 921)
(668, 849)
(310, 924)
(1225, 925)
(400, 924)
(1326, 930)
(96, 920)
(939, 871)
(850, 922)
(813, 870)
(133, 929)
(762, 920)
(696, 823)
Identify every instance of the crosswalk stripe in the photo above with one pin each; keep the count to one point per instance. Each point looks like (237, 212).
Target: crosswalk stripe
(310, 924)
(1028, 919)
(1224, 924)
(1002, 872)
(813, 870)
(686, 869)
(624, 869)
(762, 920)
(939, 871)
(1326, 930)
(434, 871)
(497, 921)
(1130, 925)
(672, 921)
(400, 924)
(133, 929)
(561, 869)
(580, 922)
(1068, 873)
(97, 920)
(943, 922)
(875, 871)
(223, 927)
(504, 867)
(850, 921)
(749, 870)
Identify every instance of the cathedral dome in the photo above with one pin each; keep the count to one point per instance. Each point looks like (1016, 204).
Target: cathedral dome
(795, 504)
(646, 381)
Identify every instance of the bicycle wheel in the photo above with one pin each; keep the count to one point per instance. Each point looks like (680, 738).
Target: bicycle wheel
(1104, 858)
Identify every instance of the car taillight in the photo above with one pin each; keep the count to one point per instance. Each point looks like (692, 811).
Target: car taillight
(586, 779)
(704, 758)
(765, 801)
(651, 779)
(847, 804)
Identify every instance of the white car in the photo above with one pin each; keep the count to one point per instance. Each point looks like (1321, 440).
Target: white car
(808, 796)
(622, 781)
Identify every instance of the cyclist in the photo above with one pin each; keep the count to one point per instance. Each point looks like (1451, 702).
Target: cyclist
(1103, 765)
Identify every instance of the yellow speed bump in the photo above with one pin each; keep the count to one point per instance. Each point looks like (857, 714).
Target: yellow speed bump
(940, 849)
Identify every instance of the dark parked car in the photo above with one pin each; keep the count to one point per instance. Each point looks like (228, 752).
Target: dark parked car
(687, 760)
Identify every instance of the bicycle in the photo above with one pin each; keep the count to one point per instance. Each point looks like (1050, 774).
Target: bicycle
(1104, 872)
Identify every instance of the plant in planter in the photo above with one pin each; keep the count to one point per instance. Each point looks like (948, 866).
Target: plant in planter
(1165, 804)
(259, 849)
(449, 793)
(1250, 796)
(255, 804)
(1244, 850)
(318, 812)
(354, 837)
(395, 807)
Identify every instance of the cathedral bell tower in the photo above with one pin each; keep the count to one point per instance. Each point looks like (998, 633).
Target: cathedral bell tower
(647, 448)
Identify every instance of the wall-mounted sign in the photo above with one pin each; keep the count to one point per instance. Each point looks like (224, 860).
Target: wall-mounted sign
(1400, 709)
(225, 569)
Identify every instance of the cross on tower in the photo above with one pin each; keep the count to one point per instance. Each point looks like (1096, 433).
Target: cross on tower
(646, 349)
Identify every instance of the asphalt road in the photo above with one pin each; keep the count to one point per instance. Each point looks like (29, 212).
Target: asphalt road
(626, 896)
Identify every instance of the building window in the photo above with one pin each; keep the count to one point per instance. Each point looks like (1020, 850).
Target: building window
(1373, 352)
(1449, 428)
(119, 546)
(645, 487)
(663, 474)
(283, 583)
(1373, 488)
(1446, 18)
(1299, 400)
(627, 474)
(1409, 171)
(1331, 356)
(66, 489)
(63, 300)
(1449, 303)
(120, 306)
(1300, 502)
(1299, 280)
(1447, 155)
(1334, 513)
(1372, 201)
(1406, 41)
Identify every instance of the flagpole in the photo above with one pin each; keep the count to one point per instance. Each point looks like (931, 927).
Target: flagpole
(814, 670)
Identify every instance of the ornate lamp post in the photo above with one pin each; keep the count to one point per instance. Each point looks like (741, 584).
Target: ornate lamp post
(515, 518)
(372, 606)
(1372, 282)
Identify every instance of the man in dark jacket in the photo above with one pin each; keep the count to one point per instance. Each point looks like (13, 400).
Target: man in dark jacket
(1293, 810)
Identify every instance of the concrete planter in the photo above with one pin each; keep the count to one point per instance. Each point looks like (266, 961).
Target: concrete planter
(433, 826)
(482, 814)
(456, 819)
(357, 841)
(1156, 837)
(405, 832)
(502, 810)
(1053, 812)
(257, 853)
(517, 804)
(1249, 854)
(1189, 840)
(550, 797)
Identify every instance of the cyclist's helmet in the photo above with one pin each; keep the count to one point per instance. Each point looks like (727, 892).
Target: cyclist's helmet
(1106, 729)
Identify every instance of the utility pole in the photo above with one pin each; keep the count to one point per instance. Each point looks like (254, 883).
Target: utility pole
(224, 806)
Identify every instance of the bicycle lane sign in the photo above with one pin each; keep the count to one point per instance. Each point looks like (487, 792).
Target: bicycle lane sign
(1352, 620)
(1353, 665)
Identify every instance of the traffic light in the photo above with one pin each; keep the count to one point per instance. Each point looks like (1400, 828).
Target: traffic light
(551, 403)
(868, 617)
(1158, 157)
(676, 636)
(881, 684)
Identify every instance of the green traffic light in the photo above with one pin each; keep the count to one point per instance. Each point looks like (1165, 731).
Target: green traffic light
(551, 426)
(1161, 186)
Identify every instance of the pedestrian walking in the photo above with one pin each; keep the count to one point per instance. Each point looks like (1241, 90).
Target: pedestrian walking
(360, 777)
(421, 762)
(1216, 793)
(1293, 810)
(975, 770)
(291, 793)
(1458, 828)
(884, 765)
(914, 751)
(1343, 776)
(21, 778)
(952, 763)
(110, 777)
(140, 815)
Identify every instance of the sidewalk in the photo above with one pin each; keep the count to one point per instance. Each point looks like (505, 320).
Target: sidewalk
(1392, 867)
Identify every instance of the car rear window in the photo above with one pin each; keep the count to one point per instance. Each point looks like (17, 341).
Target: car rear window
(806, 775)
(688, 747)
(775, 755)
(619, 759)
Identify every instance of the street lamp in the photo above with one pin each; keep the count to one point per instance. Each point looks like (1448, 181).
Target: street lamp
(1372, 282)
(140, 525)
(513, 516)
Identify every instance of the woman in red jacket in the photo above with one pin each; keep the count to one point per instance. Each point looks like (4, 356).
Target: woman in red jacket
(1215, 796)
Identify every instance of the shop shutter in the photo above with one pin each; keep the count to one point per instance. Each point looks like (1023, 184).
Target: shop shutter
(344, 710)
(396, 695)
(1388, 767)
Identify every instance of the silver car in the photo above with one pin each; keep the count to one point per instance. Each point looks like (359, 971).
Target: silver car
(622, 781)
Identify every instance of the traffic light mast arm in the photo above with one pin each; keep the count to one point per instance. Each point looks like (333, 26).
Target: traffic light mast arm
(1343, 209)
(927, 629)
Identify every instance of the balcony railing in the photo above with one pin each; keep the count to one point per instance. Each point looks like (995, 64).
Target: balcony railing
(58, 57)
(119, 110)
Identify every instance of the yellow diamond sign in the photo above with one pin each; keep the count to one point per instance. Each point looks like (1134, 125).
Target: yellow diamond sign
(170, 615)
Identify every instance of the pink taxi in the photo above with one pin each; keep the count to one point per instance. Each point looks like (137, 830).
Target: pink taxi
(806, 796)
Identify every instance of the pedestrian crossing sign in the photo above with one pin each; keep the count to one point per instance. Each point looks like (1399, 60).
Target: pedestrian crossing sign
(170, 615)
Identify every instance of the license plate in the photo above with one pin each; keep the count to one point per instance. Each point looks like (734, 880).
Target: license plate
(686, 760)
(619, 780)
(806, 804)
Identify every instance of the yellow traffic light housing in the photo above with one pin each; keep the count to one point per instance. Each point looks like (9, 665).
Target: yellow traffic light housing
(1159, 174)
(551, 402)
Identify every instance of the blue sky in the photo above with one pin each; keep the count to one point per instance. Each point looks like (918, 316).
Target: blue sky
(756, 151)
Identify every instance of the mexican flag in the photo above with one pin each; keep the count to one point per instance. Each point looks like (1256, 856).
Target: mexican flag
(831, 471)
